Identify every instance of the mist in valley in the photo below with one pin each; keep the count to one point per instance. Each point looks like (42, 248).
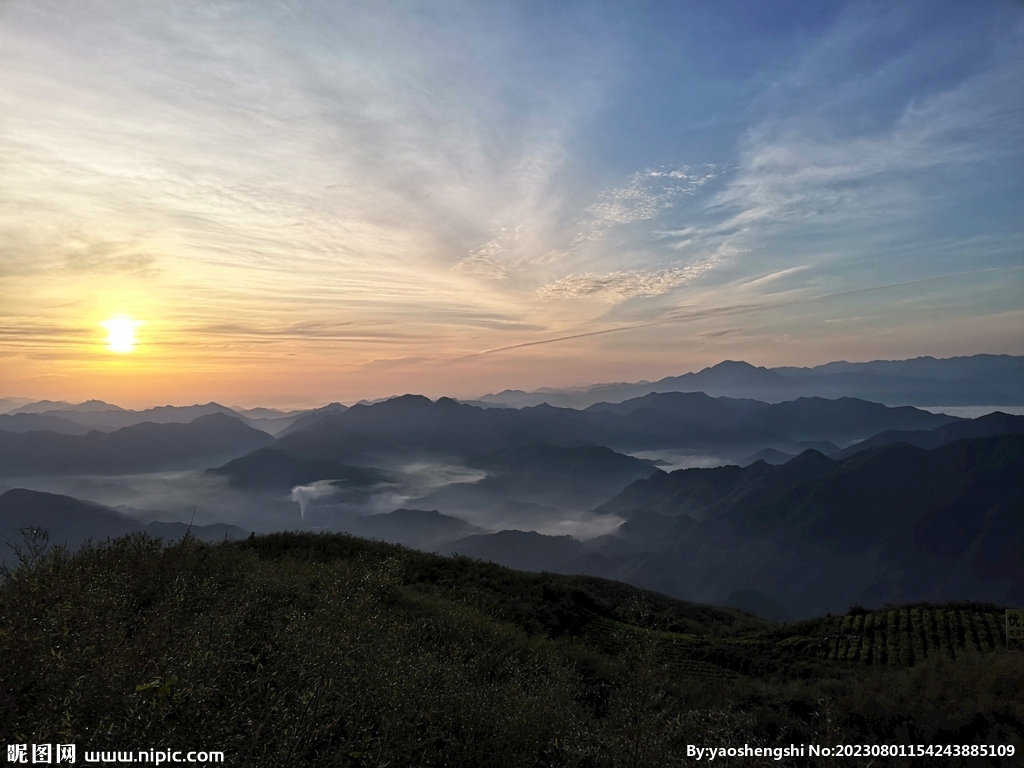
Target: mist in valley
(784, 509)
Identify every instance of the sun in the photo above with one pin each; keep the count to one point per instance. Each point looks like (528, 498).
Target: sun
(121, 334)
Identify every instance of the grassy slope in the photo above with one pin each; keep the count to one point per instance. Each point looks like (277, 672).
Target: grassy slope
(329, 650)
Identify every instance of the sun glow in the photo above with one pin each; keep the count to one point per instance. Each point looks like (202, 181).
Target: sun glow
(121, 334)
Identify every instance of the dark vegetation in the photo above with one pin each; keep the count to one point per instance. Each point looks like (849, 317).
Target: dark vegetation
(294, 649)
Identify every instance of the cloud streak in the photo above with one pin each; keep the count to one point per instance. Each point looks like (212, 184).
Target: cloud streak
(682, 314)
(304, 189)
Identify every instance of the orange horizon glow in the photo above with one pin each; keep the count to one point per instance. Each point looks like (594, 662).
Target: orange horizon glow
(365, 203)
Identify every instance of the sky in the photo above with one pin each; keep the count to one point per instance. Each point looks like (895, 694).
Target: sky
(290, 203)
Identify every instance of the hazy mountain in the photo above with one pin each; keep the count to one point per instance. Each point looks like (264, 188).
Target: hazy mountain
(992, 424)
(769, 456)
(104, 417)
(113, 418)
(691, 406)
(539, 473)
(414, 425)
(8, 404)
(270, 420)
(891, 523)
(68, 521)
(544, 459)
(975, 380)
(328, 439)
(267, 413)
(307, 418)
(72, 522)
(45, 406)
(138, 448)
(270, 468)
(273, 426)
(423, 529)
(714, 422)
(40, 422)
(694, 491)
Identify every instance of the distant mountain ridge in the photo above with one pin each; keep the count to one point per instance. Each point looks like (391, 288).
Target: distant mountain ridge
(138, 448)
(72, 522)
(411, 424)
(992, 424)
(891, 523)
(270, 468)
(103, 417)
(923, 381)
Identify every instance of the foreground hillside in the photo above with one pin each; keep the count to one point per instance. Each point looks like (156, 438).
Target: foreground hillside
(328, 650)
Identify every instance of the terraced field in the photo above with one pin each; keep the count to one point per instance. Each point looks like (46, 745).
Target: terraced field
(895, 638)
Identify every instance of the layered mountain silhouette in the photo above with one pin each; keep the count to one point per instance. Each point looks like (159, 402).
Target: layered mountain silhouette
(139, 448)
(832, 499)
(72, 522)
(414, 425)
(975, 380)
(41, 422)
(104, 417)
(984, 426)
(420, 528)
(48, 406)
(307, 418)
(274, 469)
(892, 523)
(540, 473)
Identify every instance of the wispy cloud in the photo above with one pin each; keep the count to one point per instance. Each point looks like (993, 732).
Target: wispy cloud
(773, 276)
(265, 184)
(801, 168)
(647, 194)
(620, 286)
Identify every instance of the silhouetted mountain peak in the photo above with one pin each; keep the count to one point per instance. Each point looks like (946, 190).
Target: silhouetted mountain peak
(97, 405)
(394, 406)
(740, 370)
(733, 366)
(811, 460)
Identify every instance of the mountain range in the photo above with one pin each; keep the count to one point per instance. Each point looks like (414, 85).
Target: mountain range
(142, 447)
(71, 522)
(807, 504)
(414, 425)
(895, 524)
(923, 381)
(888, 523)
(104, 417)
